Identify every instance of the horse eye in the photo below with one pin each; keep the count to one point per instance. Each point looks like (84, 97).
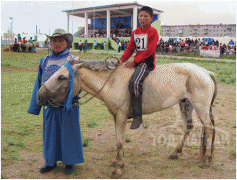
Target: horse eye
(75, 74)
(61, 77)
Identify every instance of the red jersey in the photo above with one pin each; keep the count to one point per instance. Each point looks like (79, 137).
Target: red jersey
(204, 47)
(145, 42)
(182, 43)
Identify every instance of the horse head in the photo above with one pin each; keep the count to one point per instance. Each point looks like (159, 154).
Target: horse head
(54, 90)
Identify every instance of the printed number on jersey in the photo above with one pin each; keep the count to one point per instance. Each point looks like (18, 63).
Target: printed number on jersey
(141, 41)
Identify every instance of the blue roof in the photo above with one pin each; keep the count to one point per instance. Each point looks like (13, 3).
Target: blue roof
(112, 5)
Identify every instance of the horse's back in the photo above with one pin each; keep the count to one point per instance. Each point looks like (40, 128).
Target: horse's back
(170, 83)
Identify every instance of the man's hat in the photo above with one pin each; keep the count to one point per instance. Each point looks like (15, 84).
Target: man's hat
(62, 33)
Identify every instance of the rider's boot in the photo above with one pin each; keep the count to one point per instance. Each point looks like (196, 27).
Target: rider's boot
(137, 115)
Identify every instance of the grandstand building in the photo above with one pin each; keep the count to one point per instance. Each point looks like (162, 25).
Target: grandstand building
(122, 17)
(208, 30)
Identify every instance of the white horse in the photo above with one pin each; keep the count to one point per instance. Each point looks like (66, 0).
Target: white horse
(187, 84)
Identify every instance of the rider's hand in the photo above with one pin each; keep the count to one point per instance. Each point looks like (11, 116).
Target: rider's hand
(130, 64)
(119, 62)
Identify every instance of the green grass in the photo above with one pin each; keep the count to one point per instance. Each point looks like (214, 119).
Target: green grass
(86, 142)
(21, 59)
(18, 126)
(127, 138)
(145, 125)
(92, 124)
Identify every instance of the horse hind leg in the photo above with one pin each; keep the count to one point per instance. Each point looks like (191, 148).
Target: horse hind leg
(207, 142)
(204, 113)
(186, 109)
(213, 136)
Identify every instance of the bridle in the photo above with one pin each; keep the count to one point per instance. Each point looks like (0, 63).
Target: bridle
(52, 102)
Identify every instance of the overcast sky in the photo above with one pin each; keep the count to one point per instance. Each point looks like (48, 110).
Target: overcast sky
(48, 15)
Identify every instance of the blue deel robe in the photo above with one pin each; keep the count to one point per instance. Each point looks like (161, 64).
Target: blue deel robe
(61, 129)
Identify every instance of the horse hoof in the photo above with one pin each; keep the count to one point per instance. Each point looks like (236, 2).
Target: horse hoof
(116, 173)
(114, 164)
(173, 157)
(117, 164)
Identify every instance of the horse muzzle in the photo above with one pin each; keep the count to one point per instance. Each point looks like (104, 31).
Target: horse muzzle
(47, 98)
(43, 96)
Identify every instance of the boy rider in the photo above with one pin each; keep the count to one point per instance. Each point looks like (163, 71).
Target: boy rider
(144, 39)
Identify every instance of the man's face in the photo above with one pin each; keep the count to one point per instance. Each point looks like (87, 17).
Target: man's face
(145, 19)
(58, 44)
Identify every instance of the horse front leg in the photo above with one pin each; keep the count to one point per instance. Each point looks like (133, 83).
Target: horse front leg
(120, 127)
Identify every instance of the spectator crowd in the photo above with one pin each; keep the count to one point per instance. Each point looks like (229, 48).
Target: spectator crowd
(172, 45)
(116, 32)
(187, 45)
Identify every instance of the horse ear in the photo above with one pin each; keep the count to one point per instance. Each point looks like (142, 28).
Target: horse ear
(75, 60)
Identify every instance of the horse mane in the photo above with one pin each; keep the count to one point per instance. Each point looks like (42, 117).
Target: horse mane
(95, 65)
(92, 65)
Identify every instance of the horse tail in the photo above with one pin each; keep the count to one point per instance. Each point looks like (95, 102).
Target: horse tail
(214, 79)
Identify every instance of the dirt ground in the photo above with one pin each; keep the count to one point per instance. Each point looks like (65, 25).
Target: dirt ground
(146, 153)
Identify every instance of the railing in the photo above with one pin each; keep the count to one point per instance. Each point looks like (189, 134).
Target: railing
(6, 42)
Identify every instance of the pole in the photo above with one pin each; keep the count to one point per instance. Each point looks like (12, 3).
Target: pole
(68, 23)
(72, 19)
(11, 22)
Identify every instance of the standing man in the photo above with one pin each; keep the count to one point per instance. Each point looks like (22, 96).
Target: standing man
(95, 44)
(80, 45)
(31, 40)
(105, 45)
(144, 39)
(119, 46)
(61, 128)
(19, 37)
(231, 43)
(85, 46)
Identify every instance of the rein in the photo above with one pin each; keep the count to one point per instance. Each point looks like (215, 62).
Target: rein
(113, 70)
